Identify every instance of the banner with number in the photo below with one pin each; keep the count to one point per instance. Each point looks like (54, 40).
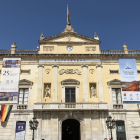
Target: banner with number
(10, 80)
(130, 83)
(20, 130)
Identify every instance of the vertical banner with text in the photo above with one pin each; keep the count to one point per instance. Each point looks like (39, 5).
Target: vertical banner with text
(20, 130)
(129, 79)
(10, 80)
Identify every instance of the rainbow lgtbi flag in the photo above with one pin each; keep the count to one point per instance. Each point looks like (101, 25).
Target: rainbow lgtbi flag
(5, 112)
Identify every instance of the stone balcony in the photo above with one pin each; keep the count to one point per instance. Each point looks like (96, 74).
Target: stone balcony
(70, 106)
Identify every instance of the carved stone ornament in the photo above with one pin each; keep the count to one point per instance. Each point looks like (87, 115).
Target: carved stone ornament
(69, 71)
(91, 71)
(90, 48)
(69, 38)
(48, 48)
(47, 71)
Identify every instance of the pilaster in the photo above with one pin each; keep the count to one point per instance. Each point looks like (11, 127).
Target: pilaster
(100, 83)
(85, 82)
(55, 78)
(40, 83)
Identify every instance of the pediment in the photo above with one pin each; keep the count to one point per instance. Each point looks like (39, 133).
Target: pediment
(69, 37)
(25, 82)
(114, 82)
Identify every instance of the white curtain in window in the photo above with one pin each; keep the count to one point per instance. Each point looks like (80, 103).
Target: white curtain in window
(114, 96)
(26, 96)
(118, 91)
(20, 96)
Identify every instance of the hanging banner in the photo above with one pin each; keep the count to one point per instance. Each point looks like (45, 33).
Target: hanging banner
(129, 78)
(128, 70)
(20, 130)
(10, 80)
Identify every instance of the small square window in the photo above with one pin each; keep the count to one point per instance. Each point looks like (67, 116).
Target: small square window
(138, 71)
(114, 71)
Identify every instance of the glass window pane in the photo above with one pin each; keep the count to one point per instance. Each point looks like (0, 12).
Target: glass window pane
(67, 90)
(25, 95)
(67, 98)
(26, 91)
(20, 102)
(72, 97)
(72, 90)
(25, 99)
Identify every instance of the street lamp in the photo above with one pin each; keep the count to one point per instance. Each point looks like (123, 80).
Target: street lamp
(110, 124)
(33, 125)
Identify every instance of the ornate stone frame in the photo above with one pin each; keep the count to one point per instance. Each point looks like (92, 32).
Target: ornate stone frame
(68, 115)
(70, 83)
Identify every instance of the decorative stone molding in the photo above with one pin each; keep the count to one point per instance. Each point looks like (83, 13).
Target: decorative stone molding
(47, 71)
(114, 82)
(40, 66)
(70, 82)
(69, 71)
(69, 38)
(99, 66)
(84, 66)
(55, 66)
(22, 106)
(48, 48)
(90, 48)
(91, 71)
(25, 82)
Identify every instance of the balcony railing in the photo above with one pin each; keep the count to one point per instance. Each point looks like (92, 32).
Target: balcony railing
(5, 51)
(133, 51)
(112, 51)
(26, 51)
(59, 106)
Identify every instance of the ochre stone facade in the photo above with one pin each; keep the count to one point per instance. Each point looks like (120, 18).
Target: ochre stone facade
(70, 61)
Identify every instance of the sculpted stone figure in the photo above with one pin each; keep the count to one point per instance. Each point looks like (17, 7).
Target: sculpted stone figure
(93, 91)
(47, 91)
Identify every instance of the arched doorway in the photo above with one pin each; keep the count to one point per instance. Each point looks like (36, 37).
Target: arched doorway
(70, 130)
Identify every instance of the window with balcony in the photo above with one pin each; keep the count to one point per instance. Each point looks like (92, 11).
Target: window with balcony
(120, 130)
(116, 96)
(23, 96)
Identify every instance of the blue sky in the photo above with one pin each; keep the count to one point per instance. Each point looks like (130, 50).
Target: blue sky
(115, 21)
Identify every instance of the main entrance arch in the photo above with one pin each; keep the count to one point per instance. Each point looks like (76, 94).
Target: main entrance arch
(70, 129)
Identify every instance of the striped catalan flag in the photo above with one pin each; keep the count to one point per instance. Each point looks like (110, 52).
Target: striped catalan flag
(5, 112)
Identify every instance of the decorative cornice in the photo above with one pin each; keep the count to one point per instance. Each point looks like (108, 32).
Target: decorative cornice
(71, 56)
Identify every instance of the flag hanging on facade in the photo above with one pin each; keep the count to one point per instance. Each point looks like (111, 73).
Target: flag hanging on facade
(68, 17)
(5, 112)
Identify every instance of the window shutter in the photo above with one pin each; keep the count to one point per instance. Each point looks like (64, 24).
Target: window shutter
(119, 96)
(114, 96)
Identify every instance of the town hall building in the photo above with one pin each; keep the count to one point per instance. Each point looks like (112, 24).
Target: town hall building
(71, 86)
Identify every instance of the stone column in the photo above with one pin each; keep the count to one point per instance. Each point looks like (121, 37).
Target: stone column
(55, 78)
(85, 83)
(40, 83)
(100, 83)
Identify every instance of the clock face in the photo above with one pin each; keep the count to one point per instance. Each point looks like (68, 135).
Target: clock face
(69, 48)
